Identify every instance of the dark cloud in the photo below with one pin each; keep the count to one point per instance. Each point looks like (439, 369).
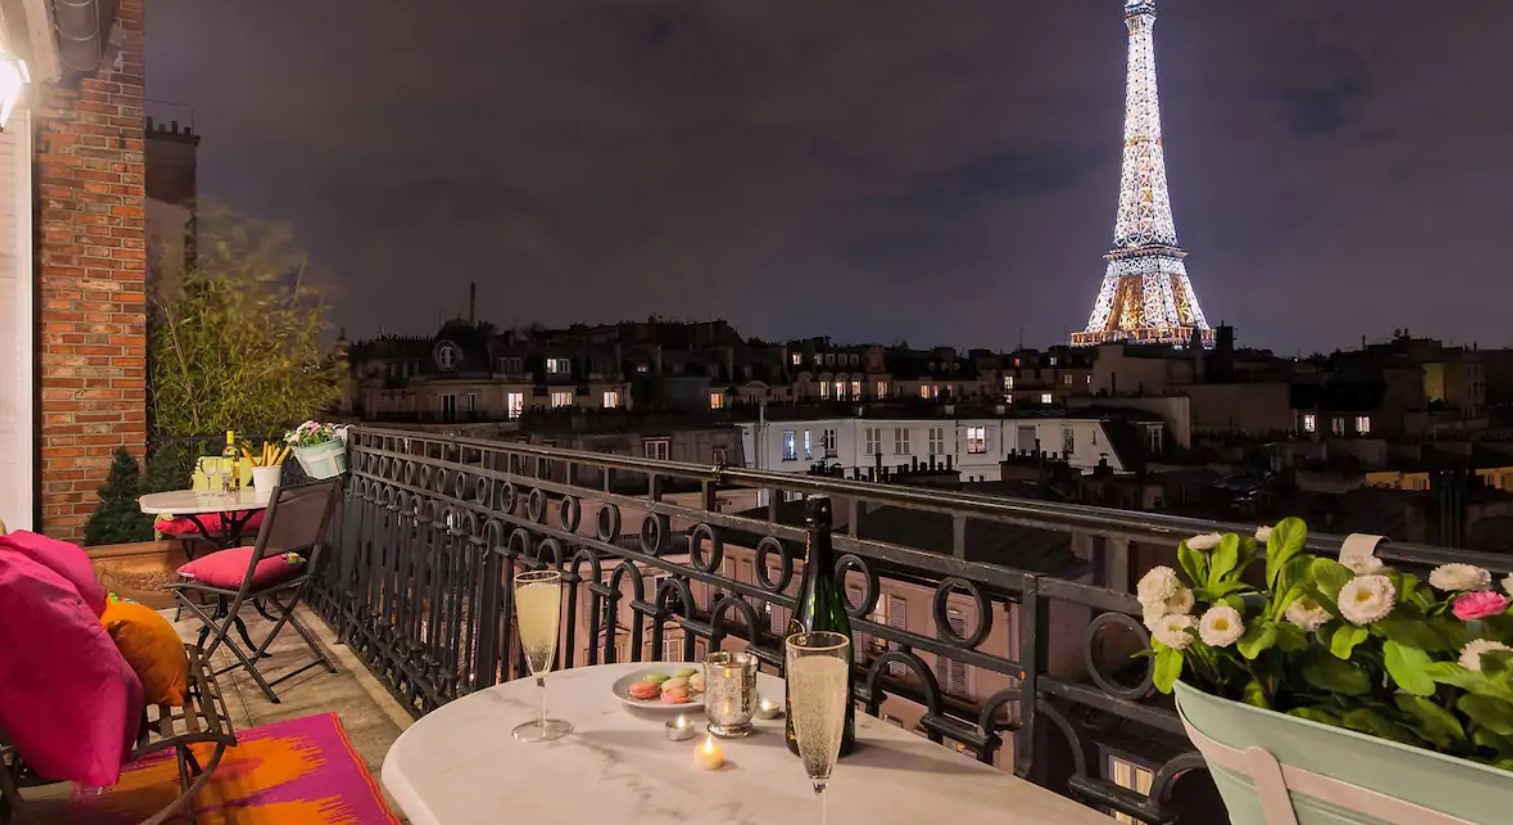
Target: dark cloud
(874, 169)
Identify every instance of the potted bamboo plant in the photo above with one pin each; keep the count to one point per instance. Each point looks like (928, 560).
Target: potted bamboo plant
(320, 448)
(1324, 690)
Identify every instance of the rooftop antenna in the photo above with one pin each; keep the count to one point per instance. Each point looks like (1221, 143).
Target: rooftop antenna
(472, 303)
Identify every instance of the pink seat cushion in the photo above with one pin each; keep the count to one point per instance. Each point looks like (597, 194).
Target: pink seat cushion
(67, 560)
(226, 568)
(68, 700)
(182, 526)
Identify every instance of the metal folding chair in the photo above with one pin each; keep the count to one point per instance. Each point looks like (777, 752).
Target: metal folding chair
(296, 522)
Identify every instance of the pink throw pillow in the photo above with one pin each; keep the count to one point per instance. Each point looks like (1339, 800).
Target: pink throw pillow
(68, 700)
(226, 568)
(67, 560)
(183, 526)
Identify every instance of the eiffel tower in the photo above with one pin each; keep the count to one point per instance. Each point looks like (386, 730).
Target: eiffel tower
(1146, 296)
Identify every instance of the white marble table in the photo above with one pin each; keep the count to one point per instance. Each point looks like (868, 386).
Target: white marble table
(190, 502)
(460, 766)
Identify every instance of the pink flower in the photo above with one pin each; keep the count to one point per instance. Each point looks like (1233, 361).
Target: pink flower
(1479, 605)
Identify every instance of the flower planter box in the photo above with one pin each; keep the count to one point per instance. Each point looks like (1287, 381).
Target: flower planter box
(325, 460)
(1334, 776)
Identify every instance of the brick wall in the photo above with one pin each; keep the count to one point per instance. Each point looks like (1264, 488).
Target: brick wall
(91, 298)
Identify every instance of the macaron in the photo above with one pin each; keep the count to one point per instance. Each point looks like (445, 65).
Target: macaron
(676, 683)
(659, 678)
(696, 683)
(675, 696)
(685, 672)
(643, 690)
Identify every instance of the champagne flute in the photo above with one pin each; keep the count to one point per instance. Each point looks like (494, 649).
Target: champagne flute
(538, 608)
(818, 671)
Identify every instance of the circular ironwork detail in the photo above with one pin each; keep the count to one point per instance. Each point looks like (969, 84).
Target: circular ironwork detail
(766, 547)
(1095, 666)
(697, 536)
(942, 610)
(569, 513)
(607, 523)
(535, 505)
(869, 585)
(653, 534)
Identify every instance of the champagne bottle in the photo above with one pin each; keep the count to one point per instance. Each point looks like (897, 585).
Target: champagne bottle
(229, 455)
(821, 607)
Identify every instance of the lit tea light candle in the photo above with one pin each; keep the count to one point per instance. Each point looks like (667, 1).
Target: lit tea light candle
(768, 709)
(708, 756)
(681, 728)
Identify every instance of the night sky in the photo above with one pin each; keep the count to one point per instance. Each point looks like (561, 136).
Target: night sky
(940, 171)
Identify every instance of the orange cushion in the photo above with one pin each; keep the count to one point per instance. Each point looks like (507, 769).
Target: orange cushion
(149, 644)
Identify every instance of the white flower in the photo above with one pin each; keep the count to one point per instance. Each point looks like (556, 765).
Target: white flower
(1155, 587)
(1307, 614)
(1507, 584)
(1179, 603)
(1365, 599)
(1263, 534)
(1460, 578)
(1207, 541)
(1172, 631)
(1361, 564)
(1221, 626)
(1470, 655)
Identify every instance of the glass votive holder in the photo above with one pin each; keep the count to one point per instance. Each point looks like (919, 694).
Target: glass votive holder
(768, 709)
(681, 728)
(730, 692)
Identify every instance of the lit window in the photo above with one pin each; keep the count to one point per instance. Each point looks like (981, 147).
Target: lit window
(901, 441)
(1310, 423)
(722, 455)
(1067, 380)
(1068, 440)
(937, 441)
(1363, 425)
(559, 366)
(657, 448)
(874, 440)
(798, 358)
(790, 446)
(924, 390)
(829, 442)
(1008, 383)
(1016, 362)
(1008, 399)
(1053, 360)
(808, 445)
(856, 390)
(562, 398)
(977, 440)
(514, 404)
(643, 368)
(1045, 398)
(1337, 425)
(1132, 777)
(840, 391)
(882, 389)
(717, 401)
(824, 389)
(611, 399)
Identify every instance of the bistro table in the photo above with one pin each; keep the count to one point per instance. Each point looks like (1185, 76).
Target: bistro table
(235, 510)
(459, 765)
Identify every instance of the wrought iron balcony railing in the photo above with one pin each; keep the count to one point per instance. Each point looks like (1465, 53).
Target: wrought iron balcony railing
(1027, 667)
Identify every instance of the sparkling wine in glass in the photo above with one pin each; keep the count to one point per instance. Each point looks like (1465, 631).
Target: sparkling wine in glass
(818, 674)
(538, 608)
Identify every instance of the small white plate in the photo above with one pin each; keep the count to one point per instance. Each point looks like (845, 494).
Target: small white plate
(623, 684)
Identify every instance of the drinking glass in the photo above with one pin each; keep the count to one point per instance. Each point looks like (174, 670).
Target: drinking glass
(538, 608)
(818, 669)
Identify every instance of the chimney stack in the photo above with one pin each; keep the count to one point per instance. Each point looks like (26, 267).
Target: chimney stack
(472, 303)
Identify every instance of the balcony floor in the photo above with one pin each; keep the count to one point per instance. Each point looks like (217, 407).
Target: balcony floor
(372, 719)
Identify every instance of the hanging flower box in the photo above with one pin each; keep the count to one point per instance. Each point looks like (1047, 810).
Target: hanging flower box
(320, 448)
(1342, 691)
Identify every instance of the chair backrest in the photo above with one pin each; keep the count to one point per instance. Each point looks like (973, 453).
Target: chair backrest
(297, 521)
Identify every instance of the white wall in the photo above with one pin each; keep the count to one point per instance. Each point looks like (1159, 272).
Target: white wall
(18, 481)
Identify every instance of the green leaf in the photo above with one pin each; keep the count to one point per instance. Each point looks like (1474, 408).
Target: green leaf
(1224, 558)
(1330, 576)
(1259, 636)
(1253, 694)
(1411, 631)
(1291, 638)
(1286, 541)
(1217, 591)
(1436, 724)
(1328, 673)
(1407, 667)
(1346, 638)
(1194, 563)
(1316, 714)
(1495, 715)
(1451, 673)
(1487, 739)
(1168, 669)
(1495, 665)
(1367, 720)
